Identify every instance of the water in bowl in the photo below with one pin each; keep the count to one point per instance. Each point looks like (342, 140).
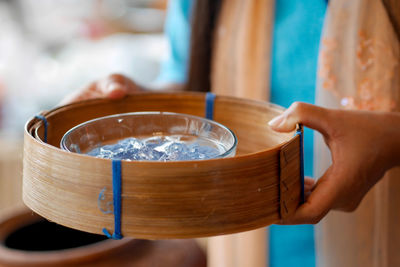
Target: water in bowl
(160, 148)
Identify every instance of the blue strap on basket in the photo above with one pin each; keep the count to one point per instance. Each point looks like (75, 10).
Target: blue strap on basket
(117, 184)
(209, 110)
(45, 123)
(299, 132)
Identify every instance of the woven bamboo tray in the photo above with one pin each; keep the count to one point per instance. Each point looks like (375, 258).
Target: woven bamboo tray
(257, 187)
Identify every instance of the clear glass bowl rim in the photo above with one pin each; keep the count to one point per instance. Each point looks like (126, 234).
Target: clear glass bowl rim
(228, 152)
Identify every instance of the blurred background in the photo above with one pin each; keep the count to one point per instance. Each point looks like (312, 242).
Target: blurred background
(50, 48)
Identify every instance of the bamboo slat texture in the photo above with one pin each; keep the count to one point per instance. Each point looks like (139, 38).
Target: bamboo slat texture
(186, 199)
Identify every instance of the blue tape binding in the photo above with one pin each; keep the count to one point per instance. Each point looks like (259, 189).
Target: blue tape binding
(44, 120)
(210, 97)
(300, 133)
(116, 180)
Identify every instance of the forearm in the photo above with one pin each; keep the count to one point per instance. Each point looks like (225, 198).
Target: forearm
(391, 138)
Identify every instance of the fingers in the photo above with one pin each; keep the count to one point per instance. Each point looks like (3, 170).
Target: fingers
(309, 185)
(319, 202)
(309, 115)
(80, 95)
(114, 86)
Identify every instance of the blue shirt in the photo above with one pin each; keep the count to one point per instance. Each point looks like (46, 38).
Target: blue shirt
(297, 29)
(177, 30)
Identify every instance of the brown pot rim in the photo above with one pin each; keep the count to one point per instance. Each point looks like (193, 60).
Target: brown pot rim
(22, 217)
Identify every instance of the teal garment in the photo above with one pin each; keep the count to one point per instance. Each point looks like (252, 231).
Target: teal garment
(177, 31)
(297, 29)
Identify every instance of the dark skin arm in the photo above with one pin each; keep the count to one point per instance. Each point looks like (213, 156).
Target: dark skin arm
(114, 86)
(364, 145)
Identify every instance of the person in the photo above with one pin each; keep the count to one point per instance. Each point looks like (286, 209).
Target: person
(294, 49)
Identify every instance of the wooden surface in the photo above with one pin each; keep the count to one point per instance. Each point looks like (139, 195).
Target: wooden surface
(289, 184)
(161, 200)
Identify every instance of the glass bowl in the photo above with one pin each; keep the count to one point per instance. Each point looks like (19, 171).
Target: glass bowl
(161, 136)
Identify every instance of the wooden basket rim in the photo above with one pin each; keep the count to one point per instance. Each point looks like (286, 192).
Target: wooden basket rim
(34, 120)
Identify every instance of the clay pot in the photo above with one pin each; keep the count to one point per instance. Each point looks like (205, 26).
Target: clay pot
(27, 240)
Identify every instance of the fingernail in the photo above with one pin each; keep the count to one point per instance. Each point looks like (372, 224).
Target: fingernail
(113, 87)
(275, 122)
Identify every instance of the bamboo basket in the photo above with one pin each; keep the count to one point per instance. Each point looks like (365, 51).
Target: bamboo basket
(259, 186)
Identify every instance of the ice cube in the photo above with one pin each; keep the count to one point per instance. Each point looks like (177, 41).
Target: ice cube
(155, 148)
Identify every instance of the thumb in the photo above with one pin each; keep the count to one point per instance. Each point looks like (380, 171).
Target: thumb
(318, 204)
(312, 116)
